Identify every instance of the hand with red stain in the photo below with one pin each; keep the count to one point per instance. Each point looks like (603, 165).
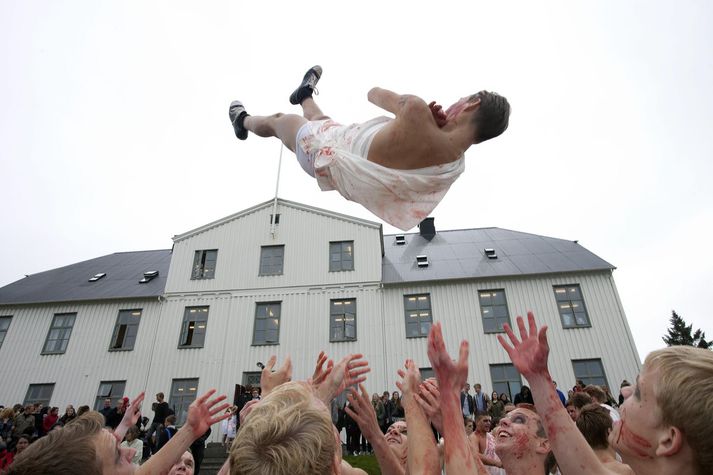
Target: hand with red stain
(350, 370)
(423, 458)
(270, 379)
(429, 398)
(131, 416)
(529, 355)
(439, 115)
(320, 372)
(451, 375)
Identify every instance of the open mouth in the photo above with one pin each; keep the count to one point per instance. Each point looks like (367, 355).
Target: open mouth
(504, 435)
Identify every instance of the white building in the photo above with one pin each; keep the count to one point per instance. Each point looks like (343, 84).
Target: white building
(235, 291)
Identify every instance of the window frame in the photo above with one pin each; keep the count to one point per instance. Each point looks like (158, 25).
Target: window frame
(27, 399)
(341, 266)
(559, 303)
(99, 400)
(492, 307)
(588, 379)
(263, 257)
(4, 331)
(62, 329)
(333, 323)
(185, 327)
(129, 326)
(199, 270)
(494, 382)
(421, 334)
(266, 305)
(185, 400)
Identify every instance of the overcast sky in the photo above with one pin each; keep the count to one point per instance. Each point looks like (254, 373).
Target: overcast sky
(114, 134)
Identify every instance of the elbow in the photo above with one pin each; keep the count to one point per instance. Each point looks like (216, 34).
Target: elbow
(372, 94)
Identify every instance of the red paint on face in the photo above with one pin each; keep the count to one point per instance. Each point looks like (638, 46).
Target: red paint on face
(637, 444)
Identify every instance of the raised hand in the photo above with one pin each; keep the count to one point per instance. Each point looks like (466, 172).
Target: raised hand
(410, 381)
(202, 413)
(320, 373)
(529, 354)
(363, 413)
(438, 114)
(132, 413)
(452, 376)
(269, 380)
(349, 371)
(429, 398)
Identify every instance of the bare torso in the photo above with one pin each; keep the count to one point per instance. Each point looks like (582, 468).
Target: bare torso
(413, 140)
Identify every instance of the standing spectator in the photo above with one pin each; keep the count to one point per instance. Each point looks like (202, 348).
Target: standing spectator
(198, 450)
(106, 409)
(353, 433)
(161, 411)
(467, 403)
(229, 427)
(255, 394)
(24, 421)
(7, 424)
(389, 408)
(132, 441)
(482, 401)
(50, 419)
(68, 415)
(117, 414)
(167, 431)
(82, 410)
(398, 409)
(7, 456)
(39, 413)
(497, 406)
(524, 396)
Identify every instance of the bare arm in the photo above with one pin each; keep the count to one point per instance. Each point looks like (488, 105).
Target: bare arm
(131, 416)
(422, 452)
(451, 377)
(529, 355)
(363, 414)
(392, 102)
(201, 415)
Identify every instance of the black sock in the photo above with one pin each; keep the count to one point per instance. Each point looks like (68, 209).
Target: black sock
(241, 119)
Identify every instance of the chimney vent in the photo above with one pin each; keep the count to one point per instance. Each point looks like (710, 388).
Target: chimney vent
(427, 228)
(490, 252)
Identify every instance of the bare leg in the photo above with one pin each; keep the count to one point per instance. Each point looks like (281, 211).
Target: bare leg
(311, 110)
(282, 126)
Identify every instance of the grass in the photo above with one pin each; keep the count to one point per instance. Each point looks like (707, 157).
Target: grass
(367, 463)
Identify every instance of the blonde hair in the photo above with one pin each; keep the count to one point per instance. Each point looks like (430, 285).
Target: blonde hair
(7, 413)
(61, 452)
(683, 392)
(285, 434)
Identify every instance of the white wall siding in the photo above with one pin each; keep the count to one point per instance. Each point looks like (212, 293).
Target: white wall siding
(457, 306)
(87, 361)
(305, 235)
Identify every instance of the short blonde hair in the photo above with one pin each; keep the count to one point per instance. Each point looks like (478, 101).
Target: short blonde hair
(7, 413)
(285, 434)
(683, 393)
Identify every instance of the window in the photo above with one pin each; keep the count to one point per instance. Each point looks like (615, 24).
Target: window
(426, 373)
(252, 378)
(571, 306)
(113, 390)
(125, 330)
(341, 256)
(342, 320)
(60, 331)
(183, 393)
(505, 379)
(271, 258)
(494, 309)
(267, 324)
(195, 321)
(4, 325)
(39, 393)
(418, 315)
(204, 264)
(590, 371)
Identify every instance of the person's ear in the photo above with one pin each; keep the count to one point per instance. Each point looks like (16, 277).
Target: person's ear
(670, 442)
(543, 447)
(473, 105)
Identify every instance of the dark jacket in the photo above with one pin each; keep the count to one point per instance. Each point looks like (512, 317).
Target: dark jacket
(471, 402)
(164, 435)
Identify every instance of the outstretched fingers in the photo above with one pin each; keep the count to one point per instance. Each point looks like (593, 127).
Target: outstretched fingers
(531, 322)
(215, 401)
(521, 327)
(219, 409)
(205, 396)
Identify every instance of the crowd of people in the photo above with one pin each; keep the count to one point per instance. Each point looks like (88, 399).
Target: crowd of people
(430, 427)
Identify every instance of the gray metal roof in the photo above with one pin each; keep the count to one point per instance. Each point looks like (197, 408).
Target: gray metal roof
(460, 254)
(71, 283)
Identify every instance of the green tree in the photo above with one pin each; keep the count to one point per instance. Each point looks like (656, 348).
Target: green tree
(681, 334)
